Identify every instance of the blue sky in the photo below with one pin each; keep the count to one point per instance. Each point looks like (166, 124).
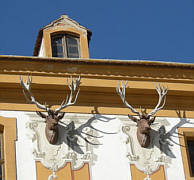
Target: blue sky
(159, 30)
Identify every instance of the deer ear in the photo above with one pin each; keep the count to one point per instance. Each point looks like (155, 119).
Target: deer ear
(151, 120)
(133, 118)
(41, 114)
(60, 116)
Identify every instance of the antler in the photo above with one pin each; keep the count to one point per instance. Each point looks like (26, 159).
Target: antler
(26, 87)
(162, 91)
(121, 92)
(69, 100)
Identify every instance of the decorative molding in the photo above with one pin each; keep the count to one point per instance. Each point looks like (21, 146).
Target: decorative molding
(147, 160)
(67, 25)
(55, 157)
(66, 22)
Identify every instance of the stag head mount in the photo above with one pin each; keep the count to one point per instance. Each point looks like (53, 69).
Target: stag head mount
(144, 120)
(53, 117)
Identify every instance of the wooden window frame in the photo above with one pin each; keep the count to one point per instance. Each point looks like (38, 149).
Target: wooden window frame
(184, 134)
(64, 37)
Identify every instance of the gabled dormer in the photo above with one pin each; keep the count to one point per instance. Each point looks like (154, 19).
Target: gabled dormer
(64, 38)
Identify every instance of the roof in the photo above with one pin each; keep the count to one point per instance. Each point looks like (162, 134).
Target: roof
(100, 61)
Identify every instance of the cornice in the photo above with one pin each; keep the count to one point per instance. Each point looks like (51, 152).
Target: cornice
(98, 68)
(98, 83)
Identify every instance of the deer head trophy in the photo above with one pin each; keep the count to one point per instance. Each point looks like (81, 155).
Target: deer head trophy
(53, 117)
(145, 119)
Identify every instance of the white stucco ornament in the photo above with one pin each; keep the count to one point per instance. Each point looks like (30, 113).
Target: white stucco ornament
(147, 177)
(149, 159)
(55, 157)
(52, 176)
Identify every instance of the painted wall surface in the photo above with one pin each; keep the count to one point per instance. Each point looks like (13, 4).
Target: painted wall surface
(111, 159)
(42, 50)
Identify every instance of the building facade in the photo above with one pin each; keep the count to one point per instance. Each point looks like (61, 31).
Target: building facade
(96, 132)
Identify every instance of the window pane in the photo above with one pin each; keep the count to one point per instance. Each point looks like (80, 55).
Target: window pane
(71, 40)
(56, 40)
(57, 46)
(72, 55)
(72, 50)
(65, 46)
(72, 47)
(59, 49)
(190, 144)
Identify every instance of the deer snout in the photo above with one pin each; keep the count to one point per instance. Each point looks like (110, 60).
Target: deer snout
(55, 123)
(147, 128)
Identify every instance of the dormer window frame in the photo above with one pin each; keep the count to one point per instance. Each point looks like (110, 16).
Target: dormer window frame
(48, 32)
(64, 43)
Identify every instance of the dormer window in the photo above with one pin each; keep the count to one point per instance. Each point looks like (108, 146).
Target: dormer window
(63, 38)
(65, 45)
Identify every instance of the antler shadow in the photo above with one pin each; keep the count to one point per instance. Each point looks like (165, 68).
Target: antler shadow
(165, 138)
(70, 135)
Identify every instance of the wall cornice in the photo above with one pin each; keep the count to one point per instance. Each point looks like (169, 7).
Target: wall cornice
(102, 69)
(98, 83)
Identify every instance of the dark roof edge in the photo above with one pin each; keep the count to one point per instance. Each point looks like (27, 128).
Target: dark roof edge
(99, 61)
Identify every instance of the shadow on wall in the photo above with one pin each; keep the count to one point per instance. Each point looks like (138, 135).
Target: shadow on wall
(70, 135)
(165, 138)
